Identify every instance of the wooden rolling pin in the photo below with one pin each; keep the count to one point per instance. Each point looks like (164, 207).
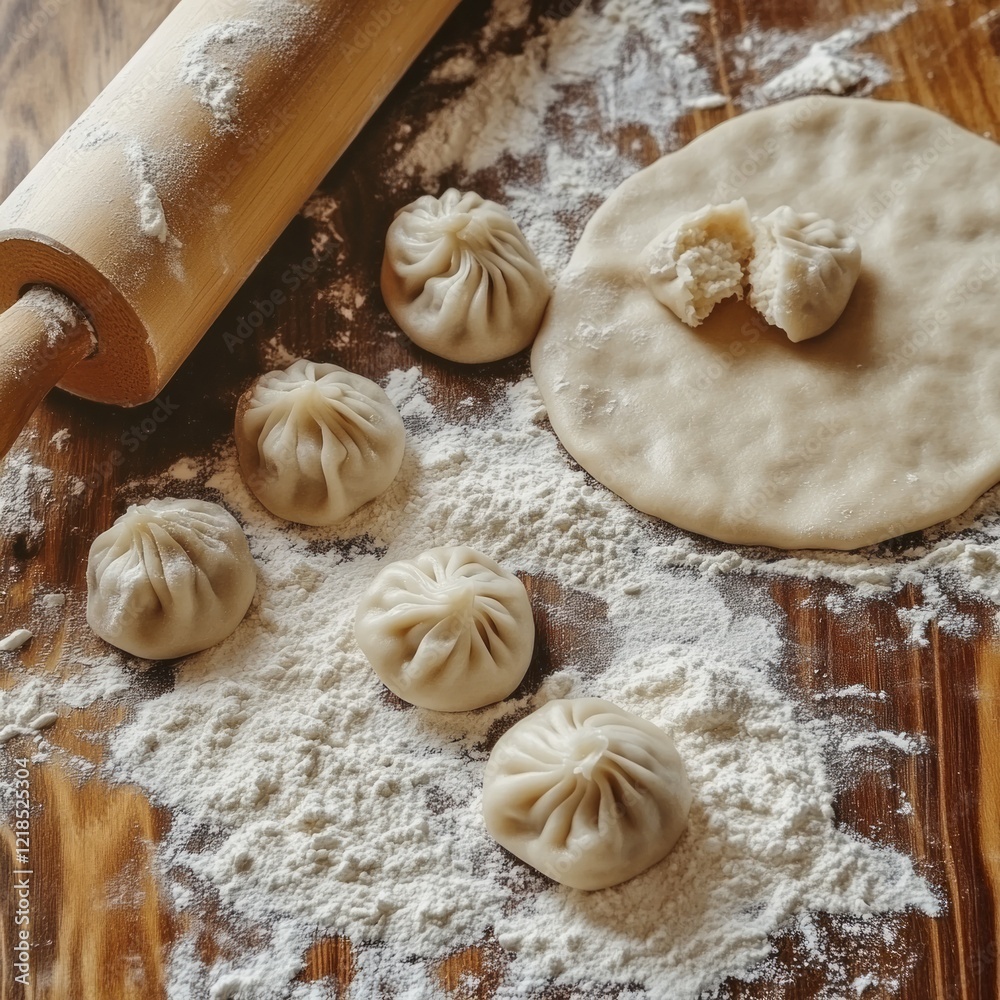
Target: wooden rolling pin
(157, 204)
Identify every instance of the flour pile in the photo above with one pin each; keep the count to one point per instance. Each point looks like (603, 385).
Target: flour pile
(546, 124)
(830, 64)
(332, 808)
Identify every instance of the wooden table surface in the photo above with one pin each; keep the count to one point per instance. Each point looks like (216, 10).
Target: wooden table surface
(88, 835)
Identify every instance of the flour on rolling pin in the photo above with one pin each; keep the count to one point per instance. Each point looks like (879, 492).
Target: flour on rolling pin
(157, 204)
(152, 217)
(213, 64)
(214, 61)
(58, 314)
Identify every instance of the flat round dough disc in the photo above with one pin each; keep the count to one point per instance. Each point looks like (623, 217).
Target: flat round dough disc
(886, 423)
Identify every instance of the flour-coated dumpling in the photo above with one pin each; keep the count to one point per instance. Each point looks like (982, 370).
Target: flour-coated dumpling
(699, 260)
(316, 442)
(450, 630)
(803, 271)
(169, 577)
(460, 279)
(587, 793)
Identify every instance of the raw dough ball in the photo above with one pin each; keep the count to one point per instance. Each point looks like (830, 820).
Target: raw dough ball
(699, 260)
(168, 578)
(587, 793)
(460, 280)
(803, 271)
(887, 424)
(450, 630)
(316, 442)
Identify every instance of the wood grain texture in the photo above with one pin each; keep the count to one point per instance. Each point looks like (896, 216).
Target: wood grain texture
(103, 927)
(222, 195)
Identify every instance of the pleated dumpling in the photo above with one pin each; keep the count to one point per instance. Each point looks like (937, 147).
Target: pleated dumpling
(803, 271)
(460, 279)
(587, 793)
(450, 630)
(316, 442)
(168, 578)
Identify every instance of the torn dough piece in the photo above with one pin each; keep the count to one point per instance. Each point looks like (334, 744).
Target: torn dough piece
(587, 793)
(803, 271)
(700, 260)
(801, 268)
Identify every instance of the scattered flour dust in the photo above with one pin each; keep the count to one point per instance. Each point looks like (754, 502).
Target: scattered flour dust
(215, 60)
(551, 115)
(152, 217)
(59, 314)
(964, 551)
(35, 700)
(345, 293)
(23, 711)
(25, 492)
(830, 64)
(333, 810)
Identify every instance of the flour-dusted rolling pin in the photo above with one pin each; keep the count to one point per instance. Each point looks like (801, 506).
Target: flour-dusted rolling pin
(156, 205)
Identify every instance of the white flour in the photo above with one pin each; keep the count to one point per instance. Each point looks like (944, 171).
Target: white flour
(152, 218)
(551, 115)
(216, 59)
(33, 701)
(329, 810)
(581, 78)
(830, 64)
(14, 640)
(59, 314)
(61, 324)
(963, 552)
(212, 65)
(332, 809)
(25, 493)
(23, 712)
(821, 69)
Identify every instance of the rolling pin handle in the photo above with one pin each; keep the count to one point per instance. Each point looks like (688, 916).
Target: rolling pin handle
(42, 336)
